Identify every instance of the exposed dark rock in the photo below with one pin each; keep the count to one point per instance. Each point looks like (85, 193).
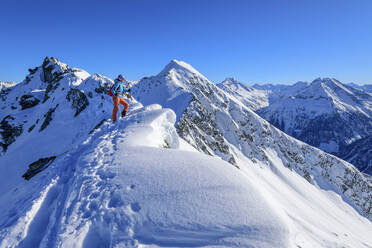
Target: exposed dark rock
(32, 71)
(79, 100)
(37, 166)
(101, 89)
(197, 126)
(48, 118)
(28, 79)
(31, 128)
(9, 130)
(28, 101)
(97, 126)
(50, 88)
(52, 68)
(53, 72)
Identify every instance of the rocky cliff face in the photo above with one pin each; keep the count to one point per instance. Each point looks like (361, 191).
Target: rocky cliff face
(217, 124)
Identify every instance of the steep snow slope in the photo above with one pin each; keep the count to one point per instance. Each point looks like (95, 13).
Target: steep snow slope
(250, 97)
(325, 114)
(218, 125)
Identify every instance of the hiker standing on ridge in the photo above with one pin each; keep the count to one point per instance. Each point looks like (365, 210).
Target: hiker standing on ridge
(117, 91)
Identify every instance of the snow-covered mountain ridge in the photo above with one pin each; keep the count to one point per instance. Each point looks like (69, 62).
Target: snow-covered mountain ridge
(219, 125)
(137, 183)
(250, 97)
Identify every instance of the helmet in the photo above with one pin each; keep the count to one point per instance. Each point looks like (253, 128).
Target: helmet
(121, 77)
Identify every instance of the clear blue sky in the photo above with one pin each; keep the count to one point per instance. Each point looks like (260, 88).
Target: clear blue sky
(254, 41)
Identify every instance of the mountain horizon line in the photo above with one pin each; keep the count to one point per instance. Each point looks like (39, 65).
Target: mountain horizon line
(251, 84)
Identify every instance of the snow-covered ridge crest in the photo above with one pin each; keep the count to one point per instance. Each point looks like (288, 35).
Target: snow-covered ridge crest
(180, 66)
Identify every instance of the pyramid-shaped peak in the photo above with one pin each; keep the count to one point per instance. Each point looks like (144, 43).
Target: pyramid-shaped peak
(230, 80)
(233, 83)
(179, 66)
(325, 80)
(53, 62)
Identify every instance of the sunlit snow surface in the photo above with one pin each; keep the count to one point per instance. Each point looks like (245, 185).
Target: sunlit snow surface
(121, 188)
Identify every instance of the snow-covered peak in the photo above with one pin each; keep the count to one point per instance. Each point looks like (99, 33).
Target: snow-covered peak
(5, 85)
(179, 66)
(234, 84)
(248, 96)
(324, 113)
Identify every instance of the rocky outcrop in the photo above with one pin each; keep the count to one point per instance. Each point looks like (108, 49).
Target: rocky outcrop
(9, 130)
(28, 101)
(78, 99)
(37, 166)
(198, 127)
(52, 69)
(48, 118)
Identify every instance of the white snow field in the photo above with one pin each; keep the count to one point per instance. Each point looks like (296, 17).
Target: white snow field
(136, 183)
(122, 188)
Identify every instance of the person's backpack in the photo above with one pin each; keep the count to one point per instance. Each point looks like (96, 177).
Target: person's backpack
(110, 90)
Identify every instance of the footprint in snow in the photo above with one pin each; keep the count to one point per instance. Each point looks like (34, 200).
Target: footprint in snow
(135, 207)
(105, 174)
(115, 201)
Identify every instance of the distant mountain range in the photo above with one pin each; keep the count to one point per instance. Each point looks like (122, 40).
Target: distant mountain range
(366, 87)
(325, 113)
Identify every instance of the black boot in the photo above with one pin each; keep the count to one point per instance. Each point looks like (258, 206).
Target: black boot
(123, 113)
